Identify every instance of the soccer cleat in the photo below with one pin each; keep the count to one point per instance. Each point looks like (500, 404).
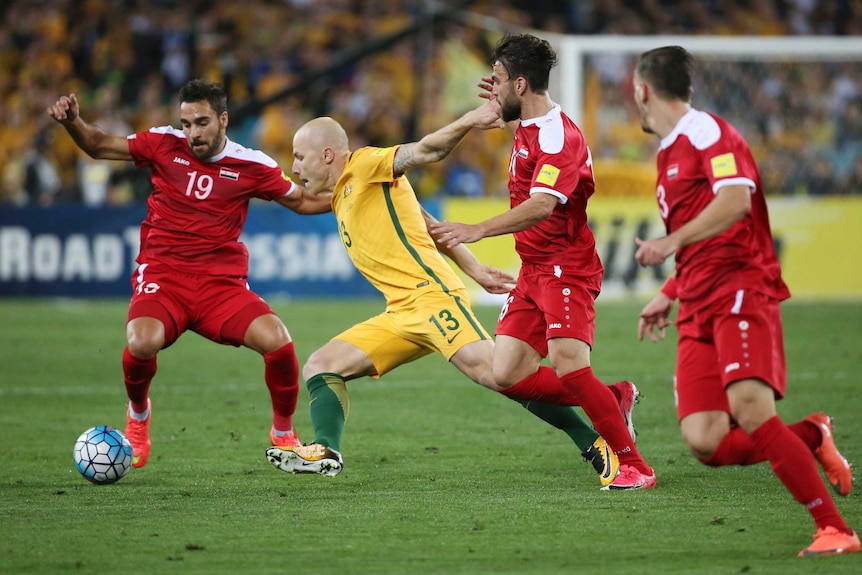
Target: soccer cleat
(289, 439)
(629, 397)
(830, 541)
(314, 458)
(630, 478)
(833, 463)
(604, 460)
(138, 434)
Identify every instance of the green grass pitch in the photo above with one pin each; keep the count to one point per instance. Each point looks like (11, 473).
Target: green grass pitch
(441, 475)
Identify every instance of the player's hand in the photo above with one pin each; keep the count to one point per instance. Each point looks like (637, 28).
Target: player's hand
(487, 116)
(450, 234)
(493, 280)
(655, 318)
(487, 85)
(65, 110)
(654, 252)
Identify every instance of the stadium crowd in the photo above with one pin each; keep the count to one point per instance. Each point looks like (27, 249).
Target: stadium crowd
(127, 58)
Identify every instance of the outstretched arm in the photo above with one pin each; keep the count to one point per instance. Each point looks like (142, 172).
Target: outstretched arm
(539, 207)
(304, 202)
(491, 279)
(437, 145)
(92, 140)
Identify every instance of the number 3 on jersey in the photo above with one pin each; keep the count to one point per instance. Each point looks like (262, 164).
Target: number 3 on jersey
(661, 196)
(345, 237)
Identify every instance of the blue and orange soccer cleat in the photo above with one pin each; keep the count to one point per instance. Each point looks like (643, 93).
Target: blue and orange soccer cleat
(138, 434)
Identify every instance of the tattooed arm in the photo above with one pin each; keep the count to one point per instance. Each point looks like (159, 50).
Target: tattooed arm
(437, 145)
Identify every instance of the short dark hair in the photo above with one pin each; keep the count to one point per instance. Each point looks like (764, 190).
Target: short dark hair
(527, 56)
(668, 70)
(199, 90)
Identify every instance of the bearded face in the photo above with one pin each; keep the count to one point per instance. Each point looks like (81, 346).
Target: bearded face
(504, 93)
(204, 129)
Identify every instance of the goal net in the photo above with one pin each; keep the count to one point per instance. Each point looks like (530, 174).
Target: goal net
(796, 100)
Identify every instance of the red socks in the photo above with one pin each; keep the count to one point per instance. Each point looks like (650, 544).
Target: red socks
(543, 386)
(137, 375)
(796, 467)
(282, 379)
(597, 400)
(737, 448)
(600, 404)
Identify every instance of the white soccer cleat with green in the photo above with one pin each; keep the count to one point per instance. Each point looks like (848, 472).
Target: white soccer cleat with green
(314, 458)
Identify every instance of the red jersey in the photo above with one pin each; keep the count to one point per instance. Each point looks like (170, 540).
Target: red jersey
(550, 155)
(702, 154)
(197, 209)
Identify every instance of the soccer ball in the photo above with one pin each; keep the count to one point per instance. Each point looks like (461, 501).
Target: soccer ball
(103, 454)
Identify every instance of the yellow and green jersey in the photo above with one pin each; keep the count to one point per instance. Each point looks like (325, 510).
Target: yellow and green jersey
(383, 230)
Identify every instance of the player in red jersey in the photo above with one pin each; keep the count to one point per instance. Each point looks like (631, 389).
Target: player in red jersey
(192, 268)
(730, 364)
(551, 311)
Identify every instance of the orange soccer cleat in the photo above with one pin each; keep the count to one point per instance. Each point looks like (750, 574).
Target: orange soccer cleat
(138, 434)
(833, 463)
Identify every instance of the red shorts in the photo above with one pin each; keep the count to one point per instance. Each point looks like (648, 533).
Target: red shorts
(736, 337)
(549, 302)
(220, 308)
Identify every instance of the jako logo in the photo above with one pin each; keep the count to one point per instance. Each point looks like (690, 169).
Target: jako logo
(555, 326)
(179, 160)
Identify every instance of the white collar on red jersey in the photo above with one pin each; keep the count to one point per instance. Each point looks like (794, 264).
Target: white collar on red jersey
(552, 113)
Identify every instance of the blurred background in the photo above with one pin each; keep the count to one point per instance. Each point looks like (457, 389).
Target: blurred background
(390, 71)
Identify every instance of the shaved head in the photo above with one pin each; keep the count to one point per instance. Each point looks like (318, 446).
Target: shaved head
(323, 132)
(320, 151)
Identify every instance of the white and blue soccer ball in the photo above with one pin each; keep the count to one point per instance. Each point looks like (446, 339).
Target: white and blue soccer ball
(103, 454)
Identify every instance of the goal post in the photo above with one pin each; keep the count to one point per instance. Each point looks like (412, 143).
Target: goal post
(573, 51)
(794, 99)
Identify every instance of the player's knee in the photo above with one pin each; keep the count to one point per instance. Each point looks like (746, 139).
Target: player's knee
(701, 446)
(144, 346)
(265, 337)
(145, 336)
(503, 380)
(485, 378)
(315, 364)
